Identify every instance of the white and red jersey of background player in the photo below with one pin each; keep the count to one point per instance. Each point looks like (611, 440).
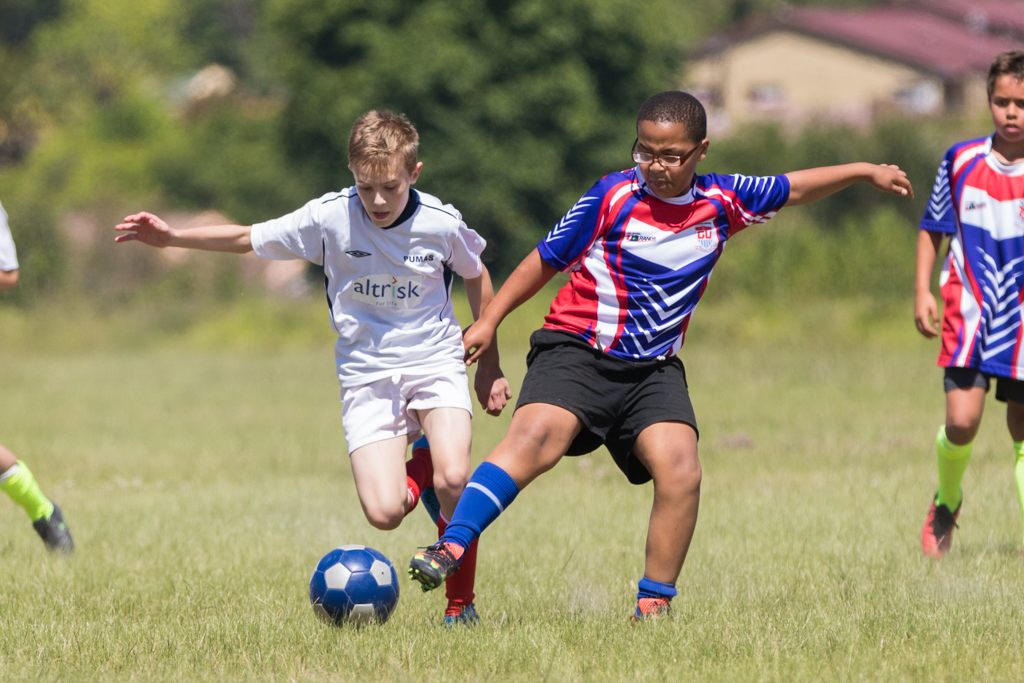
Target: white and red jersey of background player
(980, 202)
(640, 263)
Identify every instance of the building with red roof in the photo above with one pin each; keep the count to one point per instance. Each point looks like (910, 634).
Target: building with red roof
(851, 65)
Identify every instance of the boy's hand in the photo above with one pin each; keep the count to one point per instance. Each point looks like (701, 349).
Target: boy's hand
(477, 338)
(146, 228)
(492, 388)
(889, 178)
(926, 314)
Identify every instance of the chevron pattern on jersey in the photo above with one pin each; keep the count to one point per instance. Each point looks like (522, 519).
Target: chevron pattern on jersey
(941, 200)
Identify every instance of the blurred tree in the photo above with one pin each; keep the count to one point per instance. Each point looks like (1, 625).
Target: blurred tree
(521, 105)
(19, 17)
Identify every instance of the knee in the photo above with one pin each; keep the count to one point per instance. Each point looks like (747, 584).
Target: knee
(537, 442)
(961, 429)
(451, 480)
(384, 517)
(681, 478)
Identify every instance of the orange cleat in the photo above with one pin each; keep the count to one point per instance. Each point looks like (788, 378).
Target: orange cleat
(937, 534)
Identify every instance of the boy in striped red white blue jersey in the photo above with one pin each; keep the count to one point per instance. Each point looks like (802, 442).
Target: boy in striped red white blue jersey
(978, 201)
(640, 247)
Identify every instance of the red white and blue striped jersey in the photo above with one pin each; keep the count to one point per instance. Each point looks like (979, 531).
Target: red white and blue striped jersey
(640, 263)
(980, 202)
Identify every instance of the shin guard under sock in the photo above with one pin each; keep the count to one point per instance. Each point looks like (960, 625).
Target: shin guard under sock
(488, 493)
(21, 486)
(952, 461)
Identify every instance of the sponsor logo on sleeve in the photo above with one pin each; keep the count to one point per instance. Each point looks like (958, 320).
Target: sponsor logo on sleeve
(418, 258)
(389, 291)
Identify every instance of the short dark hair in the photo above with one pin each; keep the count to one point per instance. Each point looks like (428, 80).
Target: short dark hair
(1005, 64)
(676, 106)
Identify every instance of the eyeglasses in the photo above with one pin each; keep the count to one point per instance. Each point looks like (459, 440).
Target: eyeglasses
(667, 160)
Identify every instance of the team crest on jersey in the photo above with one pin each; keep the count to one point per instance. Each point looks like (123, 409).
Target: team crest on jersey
(389, 291)
(357, 253)
(707, 236)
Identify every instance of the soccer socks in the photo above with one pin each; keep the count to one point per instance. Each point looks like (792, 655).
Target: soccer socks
(653, 597)
(953, 461)
(21, 486)
(459, 587)
(1018, 470)
(490, 490)
(419, 472)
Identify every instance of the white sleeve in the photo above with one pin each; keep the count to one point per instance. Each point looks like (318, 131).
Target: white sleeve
(295, 236)
(8, 255)
(466, 247)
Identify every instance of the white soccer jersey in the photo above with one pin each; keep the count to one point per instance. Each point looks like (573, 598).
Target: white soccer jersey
(388, 289)
(8, 255)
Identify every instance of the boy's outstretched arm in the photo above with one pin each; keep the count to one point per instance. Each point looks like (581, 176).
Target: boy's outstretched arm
(527, 279)
(813, 184)
(152, 230)
(491, 387)
(926, 310)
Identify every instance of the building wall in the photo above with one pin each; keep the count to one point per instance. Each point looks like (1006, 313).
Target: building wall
(789, 76)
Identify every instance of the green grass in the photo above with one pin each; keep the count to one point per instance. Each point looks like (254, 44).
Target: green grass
(201, 463)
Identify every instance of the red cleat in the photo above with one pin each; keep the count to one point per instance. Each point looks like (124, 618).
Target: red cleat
(937, 534)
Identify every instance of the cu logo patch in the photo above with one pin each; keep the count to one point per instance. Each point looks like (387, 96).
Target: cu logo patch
(706, 237)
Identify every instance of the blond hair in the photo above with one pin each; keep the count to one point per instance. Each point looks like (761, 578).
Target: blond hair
(379, 139)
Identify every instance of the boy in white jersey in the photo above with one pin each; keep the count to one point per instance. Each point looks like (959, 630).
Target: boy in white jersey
(978, 200)
(389, 254)
(16, 479)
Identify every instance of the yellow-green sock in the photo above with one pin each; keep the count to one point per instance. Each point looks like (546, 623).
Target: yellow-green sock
(21, 486)
(953, 461)
(1018, 470)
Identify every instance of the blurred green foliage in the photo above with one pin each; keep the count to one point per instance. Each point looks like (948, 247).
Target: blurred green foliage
(521, 106)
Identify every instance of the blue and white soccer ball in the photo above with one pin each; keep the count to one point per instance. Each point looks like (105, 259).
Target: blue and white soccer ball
(354, 584)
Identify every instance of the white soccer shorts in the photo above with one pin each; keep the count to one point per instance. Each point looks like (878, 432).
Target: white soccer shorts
(385, 408)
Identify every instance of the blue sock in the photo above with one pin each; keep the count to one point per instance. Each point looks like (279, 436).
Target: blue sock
(490, 490)
(655, 589)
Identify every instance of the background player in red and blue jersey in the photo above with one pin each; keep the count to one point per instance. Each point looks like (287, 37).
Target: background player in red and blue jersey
(640, 246)
(978, 201)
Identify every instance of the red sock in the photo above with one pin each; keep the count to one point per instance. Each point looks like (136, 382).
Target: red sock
(419, 474)
(459, 586)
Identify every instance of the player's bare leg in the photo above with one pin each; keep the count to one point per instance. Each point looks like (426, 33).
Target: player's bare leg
(449, 432)
(379, 472)
(669, 452)
(964, 408)
(538, 437)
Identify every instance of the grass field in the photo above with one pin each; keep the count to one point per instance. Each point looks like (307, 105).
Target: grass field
(202, 467)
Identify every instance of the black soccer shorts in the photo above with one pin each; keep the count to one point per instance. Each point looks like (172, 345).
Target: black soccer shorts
(615, 399)
(1007, 388)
